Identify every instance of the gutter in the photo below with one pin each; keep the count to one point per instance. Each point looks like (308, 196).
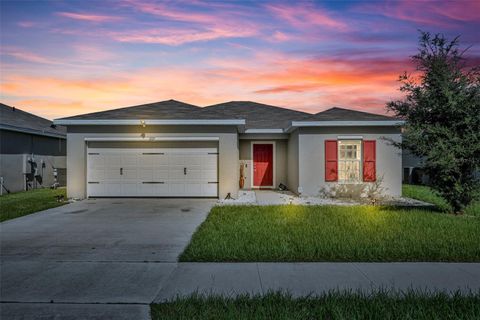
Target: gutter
(33, 131)
(264, 131)
(139, 122)
(152, 138)
(372, 123)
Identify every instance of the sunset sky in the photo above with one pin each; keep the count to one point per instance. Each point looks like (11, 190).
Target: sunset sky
(61, 58)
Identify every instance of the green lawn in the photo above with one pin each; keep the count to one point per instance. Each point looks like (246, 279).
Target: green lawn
(329, 306)
(19, 204)
(426, 194)
(333, 233)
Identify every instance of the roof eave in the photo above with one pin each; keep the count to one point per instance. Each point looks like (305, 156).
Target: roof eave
(253, 130)
(33, 131)
(366, 123)
(123, 122)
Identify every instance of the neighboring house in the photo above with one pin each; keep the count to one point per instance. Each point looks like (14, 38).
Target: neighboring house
(31, 149)
(413, 169)
(174, 149)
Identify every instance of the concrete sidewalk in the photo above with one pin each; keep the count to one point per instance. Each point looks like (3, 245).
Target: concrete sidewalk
(302, 279)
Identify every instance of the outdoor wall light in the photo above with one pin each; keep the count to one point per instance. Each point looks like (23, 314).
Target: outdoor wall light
(142, 122)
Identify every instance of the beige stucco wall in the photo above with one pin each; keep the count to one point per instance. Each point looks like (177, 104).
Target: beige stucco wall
(292, 160)
(280, 160)
(77, 149)
(312, 157)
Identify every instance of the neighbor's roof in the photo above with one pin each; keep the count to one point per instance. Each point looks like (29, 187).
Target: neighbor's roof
(14, 119)
(341, 114)
(258, 115)
(169, 109)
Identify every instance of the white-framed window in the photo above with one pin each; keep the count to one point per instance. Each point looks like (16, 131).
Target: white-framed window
(349, 161)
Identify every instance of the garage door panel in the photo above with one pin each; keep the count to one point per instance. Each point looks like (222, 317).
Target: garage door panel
(112, 159)
(176, 188)
(176, 160)
(210, 189)
(150, 159)
(130, 174)
(96, 188)
(129, 160)
(112, 174)
(160, 174)
(176, 173)
(193, 175)
(145, 174)
(95, 174)
(129, 189)
(209, 175)
(152, 172)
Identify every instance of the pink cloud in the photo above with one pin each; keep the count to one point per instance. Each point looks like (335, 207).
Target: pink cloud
(26, 24)
(89, 17)
(162, 10)
(444, 14)
(180, 36)
(303, 16)
(27, 56)
(279, 36)
(92, 53)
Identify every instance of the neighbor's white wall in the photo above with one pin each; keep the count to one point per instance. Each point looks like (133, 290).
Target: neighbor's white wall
(76, 156)
(12, 168)
(312, 157)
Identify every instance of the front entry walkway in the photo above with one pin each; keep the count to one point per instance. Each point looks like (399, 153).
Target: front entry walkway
(301, 279)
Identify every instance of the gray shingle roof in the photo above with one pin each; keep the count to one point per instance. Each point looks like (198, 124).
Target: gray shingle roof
(341, 114)
(169, 109)
(258, 115)
(14, 119)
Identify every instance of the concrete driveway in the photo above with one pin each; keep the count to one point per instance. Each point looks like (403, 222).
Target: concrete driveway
(107, 251)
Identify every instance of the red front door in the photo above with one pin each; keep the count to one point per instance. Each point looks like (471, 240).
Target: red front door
(263, 165)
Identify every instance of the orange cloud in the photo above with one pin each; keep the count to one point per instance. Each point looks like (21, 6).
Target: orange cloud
(305, 84)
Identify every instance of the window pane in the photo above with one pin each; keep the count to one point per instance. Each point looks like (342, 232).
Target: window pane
(349, 156)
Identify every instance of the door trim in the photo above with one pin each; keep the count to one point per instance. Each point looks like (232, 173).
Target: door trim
(274, 180)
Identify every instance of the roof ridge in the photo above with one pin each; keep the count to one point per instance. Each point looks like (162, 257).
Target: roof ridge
(132, 107)
(25, 113)
(259, 103)
(352, 110)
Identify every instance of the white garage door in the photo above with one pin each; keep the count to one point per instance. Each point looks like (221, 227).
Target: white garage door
(160, 172)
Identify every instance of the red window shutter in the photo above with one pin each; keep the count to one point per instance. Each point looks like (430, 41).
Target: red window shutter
(331, 160)
(369, 160)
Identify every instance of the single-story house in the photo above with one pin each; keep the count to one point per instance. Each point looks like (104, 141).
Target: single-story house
(174, 149)
(32, 151)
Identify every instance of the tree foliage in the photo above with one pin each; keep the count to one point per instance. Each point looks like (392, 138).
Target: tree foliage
(441, 108)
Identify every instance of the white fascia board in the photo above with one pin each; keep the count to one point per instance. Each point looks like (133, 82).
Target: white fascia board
(381, 123)
(138, 122)
(350, 137)
(264, 131)
(152, 139)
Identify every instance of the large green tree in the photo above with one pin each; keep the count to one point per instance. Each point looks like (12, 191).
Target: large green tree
(441, 108)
